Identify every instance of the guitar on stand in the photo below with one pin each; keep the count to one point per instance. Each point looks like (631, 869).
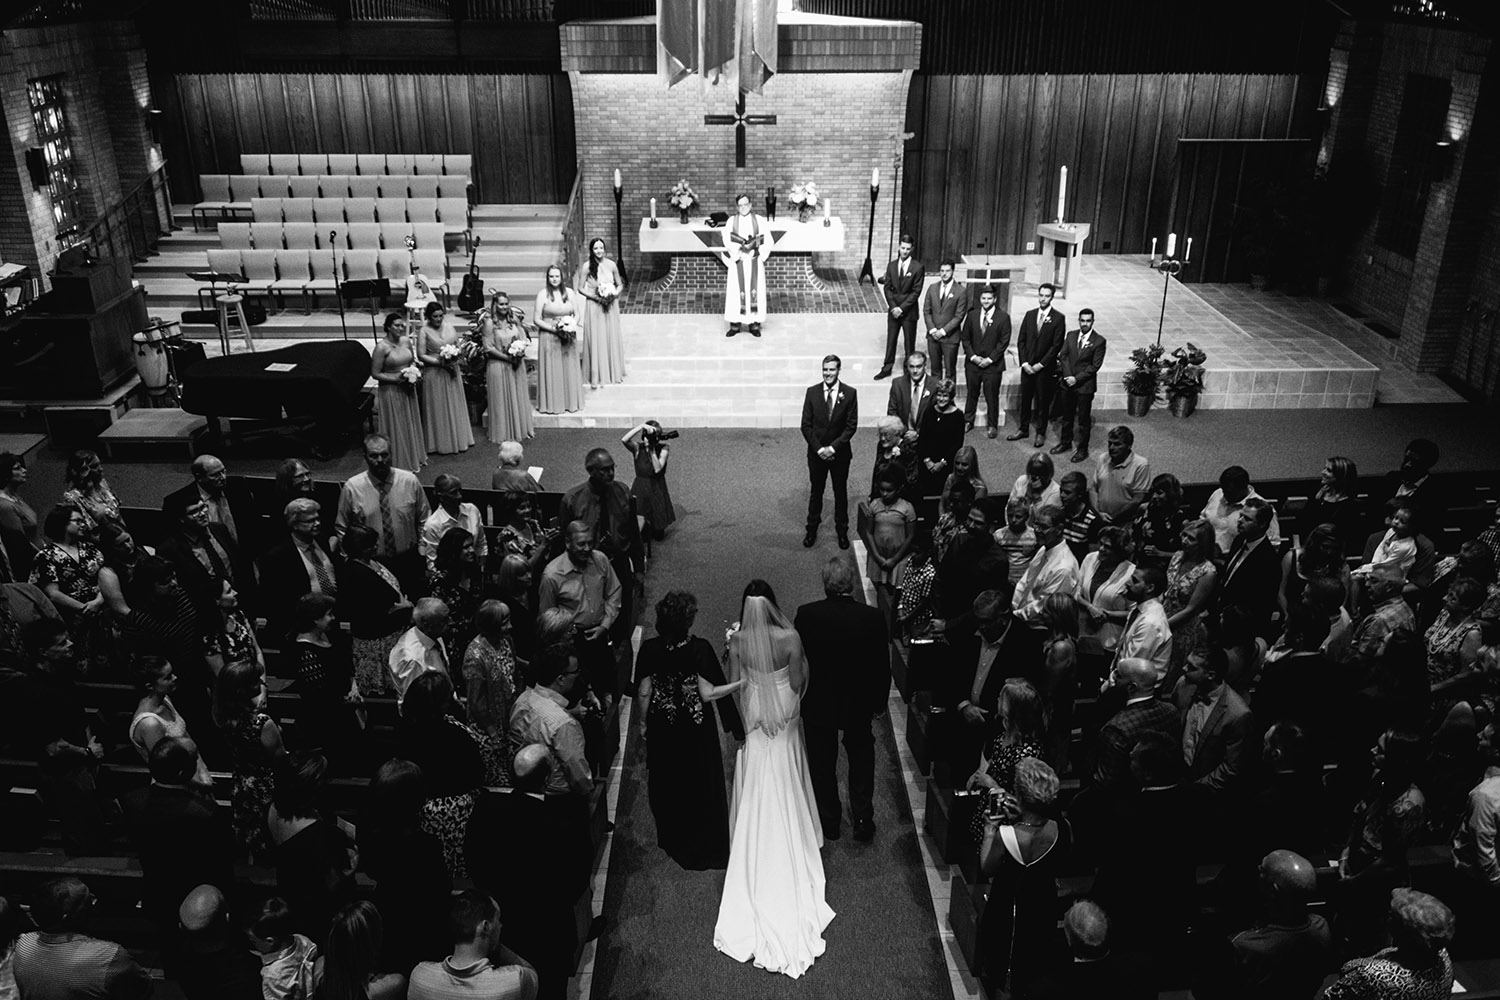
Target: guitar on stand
(471, 295)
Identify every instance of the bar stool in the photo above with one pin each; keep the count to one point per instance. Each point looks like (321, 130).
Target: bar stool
(225, 302)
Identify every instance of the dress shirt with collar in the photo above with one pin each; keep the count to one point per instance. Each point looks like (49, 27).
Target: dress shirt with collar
(581, 503)
(1238, 559)
(592, 592)
(1051, 495)
(1052, 571)
(1474, 844)
(1224, 517)
(540, 716)
(414, 654)
(1138, 699)
(1405, 489)
(1374, 633)
(1118, 485)
(1147, 636)
(480, 981)
(359, 503)
(437, 525)
(1196, 717)
(987, 652)
(219, 512)
(312, 556)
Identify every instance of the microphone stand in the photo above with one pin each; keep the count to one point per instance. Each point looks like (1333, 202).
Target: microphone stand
(338, 293)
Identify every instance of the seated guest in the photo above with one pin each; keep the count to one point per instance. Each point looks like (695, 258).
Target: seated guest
(1415, 967)
(1224, 506)
(1297, 682)
(1081, 523)
(57, 961)
(1389, 616)
(314, 856)
(972, 563)
(1035, 485)
(372, 602)
(1158, 531)
(513, 589)
(354, 954)
(1053, 570)
(1397, 547)
(289, 967)
(1477, 891)
(1385, 824)
(451, 512)
(1218, 732)
(455, 580)
(1337, 502)
(541, 716)
(1023, 850)
(1251, 581)
(1135, 680)
(1016, 539)
(1122, 478)
(329, 703)
(212, 961)
(1290, 951)
(412, 884)
(1146, 634)
(182, 836)
(1453, 642)
(203, 552)
(117, 575)
(1102, 604)
(1413, 480)
(974, 676)
(255, 749)
(156, 718)
(1320, 555)
(583, 582)
(299, 565)
(449, 755)
(481, 967)
(1092, 967)
(420, 649)
(509, 476)
(1020, 731)
(1474, 561)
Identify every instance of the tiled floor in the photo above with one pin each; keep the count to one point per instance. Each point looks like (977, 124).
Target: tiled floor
(843, 295)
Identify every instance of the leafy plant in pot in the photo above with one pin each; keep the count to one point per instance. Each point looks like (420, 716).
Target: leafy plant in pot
(1183, 377)
(1143, 379)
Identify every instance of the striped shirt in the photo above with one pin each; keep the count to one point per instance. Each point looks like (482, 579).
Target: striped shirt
(480, 981)
(71, 966)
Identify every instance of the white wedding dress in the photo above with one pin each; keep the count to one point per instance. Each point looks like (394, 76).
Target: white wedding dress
(772, 911)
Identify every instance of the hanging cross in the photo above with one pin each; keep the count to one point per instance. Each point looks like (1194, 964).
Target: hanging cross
(739, 120)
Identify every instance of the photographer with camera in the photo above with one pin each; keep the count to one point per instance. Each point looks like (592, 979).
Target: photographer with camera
(648, 443)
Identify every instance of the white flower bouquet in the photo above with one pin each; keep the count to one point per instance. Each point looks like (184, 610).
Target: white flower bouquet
(516, 351)
(804, 195)
(682, 196)
(410, 376)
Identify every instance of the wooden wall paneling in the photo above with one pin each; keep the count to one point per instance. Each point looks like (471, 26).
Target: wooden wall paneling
(1040, 131)
(988, 121)
(490, 139)
(1202, 105)
(304, 126)
(515, 173)
(534, 94)
(958, 196)
(1007, 134)
(221, 121)
(329, 112)
(1231, 118)
(202, 157)
(432, 113)
(934, 130)
(1064, 150)
(1114, 163)
(1282, 107)
(1174, 125)
(250, 119)
(564, 138)
(405, 108)
(1136, 201)
(357, 136)
(1086, 177)
(460, 110)
(911, 160)
(1255, 111)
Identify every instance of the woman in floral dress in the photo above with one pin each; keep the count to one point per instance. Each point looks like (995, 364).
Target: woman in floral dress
(400, 412)
(449, 755)
(508, 415)
(255, 747)
(454, 580)
(1191, 578)
(67, 570)
(89, 491)
(490, 680)
(445, 415)
(233, 641)
(1021, 733)
(600, 283)
(559, 375)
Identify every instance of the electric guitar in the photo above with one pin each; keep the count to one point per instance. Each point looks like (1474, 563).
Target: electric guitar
(471, 295)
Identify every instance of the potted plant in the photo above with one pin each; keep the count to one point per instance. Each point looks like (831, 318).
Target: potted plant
(683, 198)
(805, 197)
(1143, 379)
(1183, 378)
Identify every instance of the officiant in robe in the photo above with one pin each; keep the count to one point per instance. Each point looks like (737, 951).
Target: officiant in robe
(747, 244)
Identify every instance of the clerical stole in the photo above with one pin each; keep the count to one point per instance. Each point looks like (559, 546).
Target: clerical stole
(745, 291)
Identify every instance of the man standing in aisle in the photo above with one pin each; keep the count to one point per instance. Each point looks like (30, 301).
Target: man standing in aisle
(830, 416)
(1036, 348)
(986, 335)
(903, 284)
(943, 310)
(1078, 365)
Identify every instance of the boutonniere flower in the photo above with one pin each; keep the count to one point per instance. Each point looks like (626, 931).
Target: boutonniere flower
(896, 451)
(838, 399)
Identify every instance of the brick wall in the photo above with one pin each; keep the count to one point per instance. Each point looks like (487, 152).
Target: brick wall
(102, 67)
(831, 129)
(791, 271)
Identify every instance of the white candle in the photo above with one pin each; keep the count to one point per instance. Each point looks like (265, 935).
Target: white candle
(653, 209)
(1189, 255)
(875, 177)
(827, 210)
(1062, 194)
(1171, 244)
(1153, 239)
(617, 179)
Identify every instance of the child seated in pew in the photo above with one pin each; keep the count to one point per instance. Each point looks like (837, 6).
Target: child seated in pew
(290, 966)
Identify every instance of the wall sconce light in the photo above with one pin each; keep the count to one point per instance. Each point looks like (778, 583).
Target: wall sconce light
(154, 118)
(36, 167)
(1442, 159)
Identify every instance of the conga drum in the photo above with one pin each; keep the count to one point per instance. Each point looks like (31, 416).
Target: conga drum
(151, 362)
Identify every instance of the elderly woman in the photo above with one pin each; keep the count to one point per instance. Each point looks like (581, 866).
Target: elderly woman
(1158, 531)
(521, 532)
(20, 535)
(677, 677)
(490, 680)
(372, 602)
(965, 467)
(1036, 485)
(1453, 641)
(892, 448)
(940, 435)
(1416, 966)
(1100, 592)
(330, 706)
(1020, 732)
(67, 570)
(510, 477)
(89, 491)
(1023, 851)
(155, 716)
(449, 755)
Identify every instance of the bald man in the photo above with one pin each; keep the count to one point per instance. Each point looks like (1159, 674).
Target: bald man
(1286, 956)
(213, 963)
(421, 647)
(1134, 679)
(1092, 967)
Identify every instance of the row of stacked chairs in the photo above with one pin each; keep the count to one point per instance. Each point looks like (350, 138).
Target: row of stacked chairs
(357, 163)
(243, 187)
(275, 272)
(311, 236)
(453, 213)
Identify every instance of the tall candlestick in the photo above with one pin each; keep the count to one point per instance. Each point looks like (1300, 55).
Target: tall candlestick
(653, 209)
(1153, 239)
(827, 209)
(617, 179)
(1062, 194)
(1189, 255)
(1171, 244)
(875, 177)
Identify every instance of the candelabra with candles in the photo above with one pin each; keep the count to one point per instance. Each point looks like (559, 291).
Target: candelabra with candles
(1170, 266)
(868, 271)
(619, 244)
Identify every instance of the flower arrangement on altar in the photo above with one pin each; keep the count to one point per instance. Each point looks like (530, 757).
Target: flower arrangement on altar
(567, 328)
(805, 197)
(683, 198)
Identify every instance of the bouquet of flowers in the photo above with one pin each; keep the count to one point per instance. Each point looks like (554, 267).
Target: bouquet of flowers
(567, 329)
(804, 196)
(516, 351)
(606, 291)
(449, 355)
(410, 376)
(682, 197)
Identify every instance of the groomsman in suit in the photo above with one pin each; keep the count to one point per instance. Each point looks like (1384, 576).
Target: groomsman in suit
(903, 284)
(1037, 347)
(985, 336)
(943, 310)
(1252, 574)
(1078, 365)
(911, 394)
(830, 416)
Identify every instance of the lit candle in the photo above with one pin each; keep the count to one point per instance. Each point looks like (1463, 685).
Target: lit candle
(617, 179)
(874, 177)
(653, 209)
(827, 210)
(1153, 239)
(1062, 194)
(1171, 244)
(1189, 255)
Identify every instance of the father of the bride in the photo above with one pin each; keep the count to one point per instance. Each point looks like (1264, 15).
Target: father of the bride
(830, 415)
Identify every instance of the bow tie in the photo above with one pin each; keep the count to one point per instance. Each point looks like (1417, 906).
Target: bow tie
(1202, 697)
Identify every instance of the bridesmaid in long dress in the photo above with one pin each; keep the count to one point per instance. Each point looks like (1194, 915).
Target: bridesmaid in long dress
(400, 413)
(603, 348)
(508, 417)
(444, 413)
(558, 373)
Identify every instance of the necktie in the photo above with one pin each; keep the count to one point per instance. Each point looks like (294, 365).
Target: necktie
(829, 398)
(1083, 341)
(903, 269)
(602, 525)
(225, 517)
(387, 525)
(943, 292)
(986, 319)
(916, 399)
(320, 571)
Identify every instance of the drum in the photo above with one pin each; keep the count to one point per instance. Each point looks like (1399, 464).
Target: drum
(151, 362)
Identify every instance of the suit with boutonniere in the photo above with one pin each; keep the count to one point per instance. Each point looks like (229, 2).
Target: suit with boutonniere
(902, 285)
(829, 419)
(1079, 360)
(1038, 344)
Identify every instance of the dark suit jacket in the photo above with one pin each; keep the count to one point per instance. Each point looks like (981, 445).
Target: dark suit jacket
(901, 291)
(366, 600)
(899, 404)
(1254, 584)
(1121, 733)
(1082, 365)
(848, 660)
(581, 504)
(241, 508)
(946, 315)
(284, 579)
(962, 663)
(987, 343)
(1033, 345)
(1227, 748)
(193, 575)
(821, 428)
(1120, 975)
(184, 840)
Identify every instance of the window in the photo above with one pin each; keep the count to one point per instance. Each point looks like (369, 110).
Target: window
(45, 95)
(1424, 108)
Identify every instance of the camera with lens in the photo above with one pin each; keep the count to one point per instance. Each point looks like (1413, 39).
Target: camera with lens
(655, 435)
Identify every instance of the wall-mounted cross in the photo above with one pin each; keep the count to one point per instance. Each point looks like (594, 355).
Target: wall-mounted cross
(739, 120)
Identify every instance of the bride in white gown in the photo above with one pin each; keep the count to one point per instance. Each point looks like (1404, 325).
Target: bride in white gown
(772, 910)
